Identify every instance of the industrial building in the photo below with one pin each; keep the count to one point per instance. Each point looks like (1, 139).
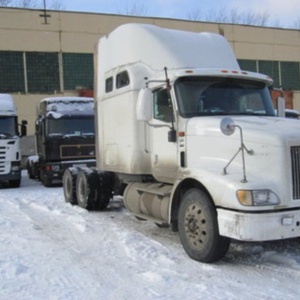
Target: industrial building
(50, 53)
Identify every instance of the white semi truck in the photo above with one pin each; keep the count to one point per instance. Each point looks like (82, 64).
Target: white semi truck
(193, 140)
(10, 154)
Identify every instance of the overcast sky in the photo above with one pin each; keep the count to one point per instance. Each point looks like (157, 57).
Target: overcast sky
(281, 12)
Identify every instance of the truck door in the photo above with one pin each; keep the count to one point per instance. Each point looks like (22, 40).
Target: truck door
(163, 153)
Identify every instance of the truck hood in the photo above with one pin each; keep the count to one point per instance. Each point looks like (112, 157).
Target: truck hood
(272, 131)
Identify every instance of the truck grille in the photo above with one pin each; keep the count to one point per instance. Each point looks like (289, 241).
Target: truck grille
(77, 151)
(295, 155)
(2, 159)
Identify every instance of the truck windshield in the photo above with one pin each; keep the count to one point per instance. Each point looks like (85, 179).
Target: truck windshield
(204, 96)
(8, 127)
(70, 126)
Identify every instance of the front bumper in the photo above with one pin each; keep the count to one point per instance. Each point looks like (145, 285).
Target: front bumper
(259, 226)
(57, 169)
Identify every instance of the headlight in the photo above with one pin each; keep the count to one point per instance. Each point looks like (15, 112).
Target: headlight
(15, 166)
(257, 197)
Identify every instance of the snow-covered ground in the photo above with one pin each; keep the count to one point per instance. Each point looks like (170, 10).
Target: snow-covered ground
(52, 250)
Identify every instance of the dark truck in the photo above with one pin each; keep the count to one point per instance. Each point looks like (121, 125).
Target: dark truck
(64, 136)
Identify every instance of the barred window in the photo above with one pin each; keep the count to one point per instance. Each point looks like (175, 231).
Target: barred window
(247, 65)
(270, 68)
(290, 75)
(11, 72)
(78, 70)
(42, 72)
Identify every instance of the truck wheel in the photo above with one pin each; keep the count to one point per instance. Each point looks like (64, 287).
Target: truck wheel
(29, 170)
(198, 228)
(104, 185)
(47, 182)
(14, 183)
(69, 185)
(86, 189)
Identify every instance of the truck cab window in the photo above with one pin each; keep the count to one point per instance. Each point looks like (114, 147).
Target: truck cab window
(162, 110)
(122, 79)
(108, 84)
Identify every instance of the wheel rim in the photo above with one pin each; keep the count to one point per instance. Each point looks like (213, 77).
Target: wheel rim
(195, 224)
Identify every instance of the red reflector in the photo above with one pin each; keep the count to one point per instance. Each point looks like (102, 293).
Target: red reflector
(48, 168)
(224, 71)
(181, 133)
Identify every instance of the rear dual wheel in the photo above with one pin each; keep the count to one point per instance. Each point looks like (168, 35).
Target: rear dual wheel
(89, 190)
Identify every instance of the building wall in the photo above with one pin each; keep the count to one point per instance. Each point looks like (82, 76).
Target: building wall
(72, 32)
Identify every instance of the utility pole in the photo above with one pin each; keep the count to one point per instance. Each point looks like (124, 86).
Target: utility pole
(45, 15)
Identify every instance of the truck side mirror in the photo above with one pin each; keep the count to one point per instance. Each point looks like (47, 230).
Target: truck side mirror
(23, 128)
(144, 106)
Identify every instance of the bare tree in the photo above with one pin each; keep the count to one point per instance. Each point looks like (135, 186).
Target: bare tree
(221, 15)
(296, 23)
(52, 4)
(234, 16)
(137, 9)
(57, 5)
(5, 2)
(26, 3)
(195, 15)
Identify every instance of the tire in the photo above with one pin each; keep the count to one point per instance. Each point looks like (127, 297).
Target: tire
(29, 170)
(86, 189)
(104, 186)
(14, 183)
(198, 228)
(69, 185)
(47, 182)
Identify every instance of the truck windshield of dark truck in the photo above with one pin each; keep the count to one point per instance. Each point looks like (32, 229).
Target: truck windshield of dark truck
(70, 126)
(205, 96)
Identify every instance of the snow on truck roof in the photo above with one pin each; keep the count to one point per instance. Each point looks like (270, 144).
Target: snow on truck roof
(65, 104)
(7, 105)
(160, 47)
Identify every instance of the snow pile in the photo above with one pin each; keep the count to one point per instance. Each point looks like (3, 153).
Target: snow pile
(52, 250)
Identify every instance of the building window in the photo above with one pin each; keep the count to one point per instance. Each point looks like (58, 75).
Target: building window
(248, 65)
(122, 79)
(290, 75)
(270, 68)
(42, 72)
(78, 70)
(11, 72)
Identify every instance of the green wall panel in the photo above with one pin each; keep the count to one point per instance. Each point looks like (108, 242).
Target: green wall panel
(11, 72)
(78, 70)
(42, 72)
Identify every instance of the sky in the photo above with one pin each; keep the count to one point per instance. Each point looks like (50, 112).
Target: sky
(282, 13)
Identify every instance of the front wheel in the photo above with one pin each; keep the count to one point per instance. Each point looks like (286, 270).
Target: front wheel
(198, 228)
